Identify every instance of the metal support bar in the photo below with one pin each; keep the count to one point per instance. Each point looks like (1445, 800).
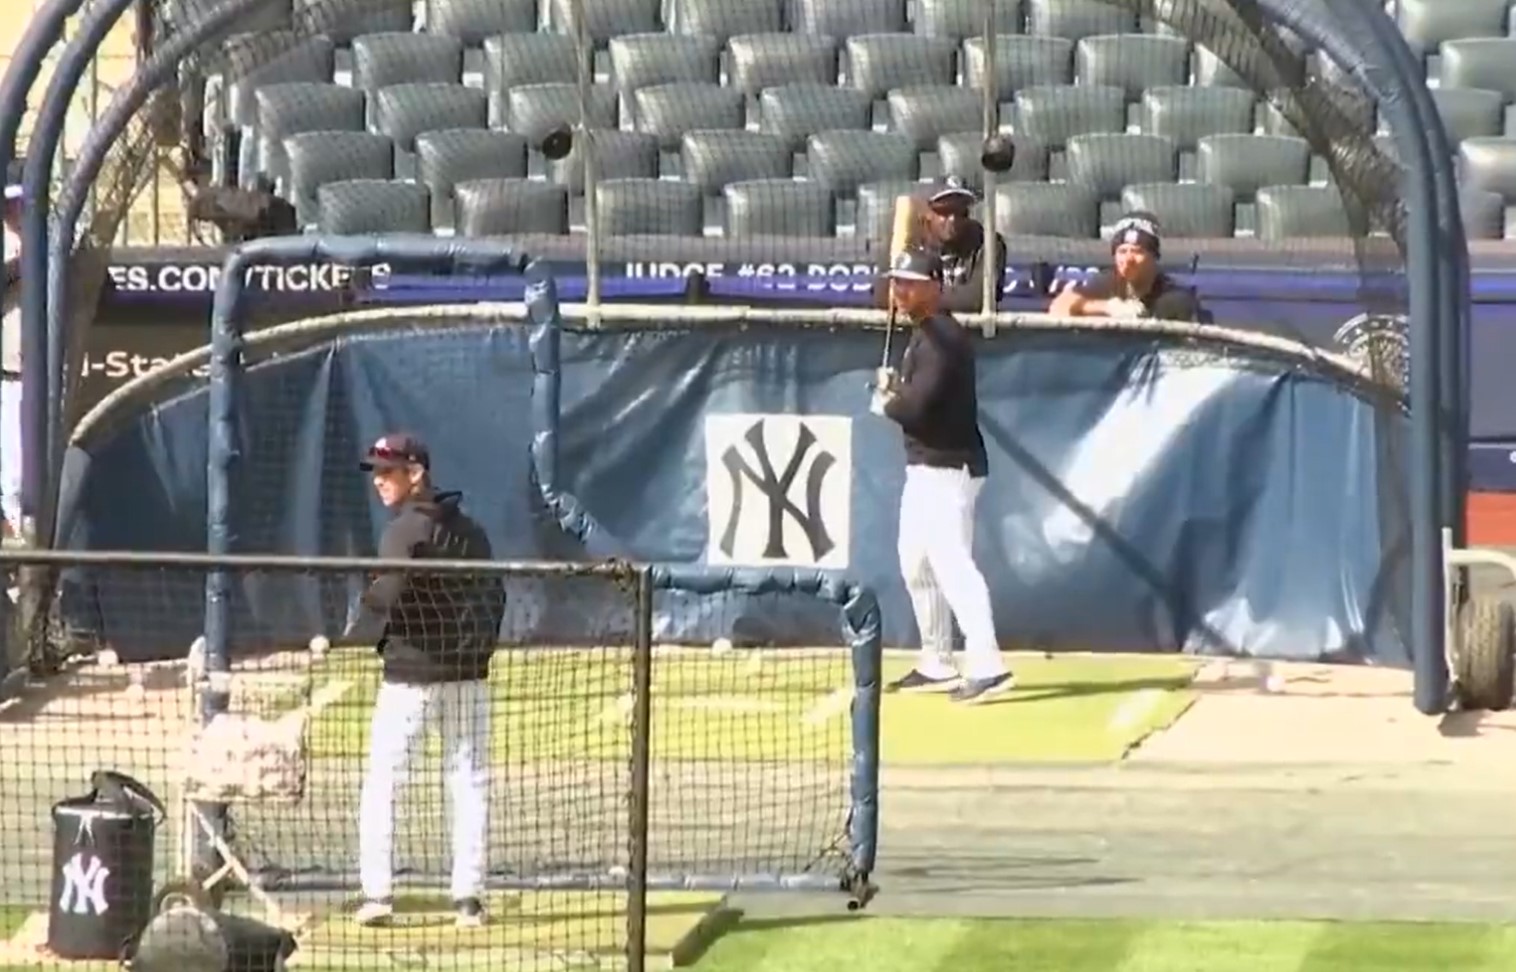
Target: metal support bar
(990, 296)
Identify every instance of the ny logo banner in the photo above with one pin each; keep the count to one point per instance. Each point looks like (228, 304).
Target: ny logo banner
(779, 490)
(84, 878)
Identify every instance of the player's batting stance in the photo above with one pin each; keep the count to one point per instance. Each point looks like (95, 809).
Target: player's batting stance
(937, 407)
(439, 633)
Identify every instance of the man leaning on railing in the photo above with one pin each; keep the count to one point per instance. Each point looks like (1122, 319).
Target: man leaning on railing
(1134, 287)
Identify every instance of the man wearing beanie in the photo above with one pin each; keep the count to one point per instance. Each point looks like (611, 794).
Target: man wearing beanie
(1134, 287)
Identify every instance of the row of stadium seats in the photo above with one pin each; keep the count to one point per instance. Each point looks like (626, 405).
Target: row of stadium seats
(1426, 24)
(786, 207)
(834, 162)
(1172, 120)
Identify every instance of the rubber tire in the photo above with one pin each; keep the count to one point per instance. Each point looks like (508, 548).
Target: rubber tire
(1485, 655)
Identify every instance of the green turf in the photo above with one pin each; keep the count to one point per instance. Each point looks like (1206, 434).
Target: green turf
(557, 704)
(1069, 708)
(11, 918)
(1006, 945)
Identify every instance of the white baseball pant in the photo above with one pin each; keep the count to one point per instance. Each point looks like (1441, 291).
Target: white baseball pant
(936, 546)
(10, 452)
(402, 715)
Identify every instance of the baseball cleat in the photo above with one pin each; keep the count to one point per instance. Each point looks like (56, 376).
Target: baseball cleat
(915, 681)
(470, 913)
(977, 690)
(372, 913)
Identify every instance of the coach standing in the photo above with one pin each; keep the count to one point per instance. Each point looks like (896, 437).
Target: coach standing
(963, 246)
(439, 634)
(10, 367)
(935, 402)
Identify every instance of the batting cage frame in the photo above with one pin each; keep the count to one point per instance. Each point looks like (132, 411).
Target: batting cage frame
(858, 607)
(1357, 35)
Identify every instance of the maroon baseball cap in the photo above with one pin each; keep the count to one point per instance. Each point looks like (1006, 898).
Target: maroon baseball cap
(394, 451)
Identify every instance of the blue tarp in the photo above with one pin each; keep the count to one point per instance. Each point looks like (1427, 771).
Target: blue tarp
(1142, 496)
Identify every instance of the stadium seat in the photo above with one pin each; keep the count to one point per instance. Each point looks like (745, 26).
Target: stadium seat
(1192, 210)
(1187, 114)
(798, 111)
(874, 215)
(446, 158)
(289, 109)
(511, 60)
(643, 60)
(344, 20)
(759, 61)
(316, 158)
(1131, 62)
(1077, 19)
(958, 20)
(1246, 163)
(1488, 63)
(403, 111)
(270, 16)
(670, 110)
(605, 19)
(879, 63)
(1489, 164)
(847, 18)
(724, 20)
(959, 155)
(1470, 112)
(778, 207)
(1300, 212)
(842, 161)
(1020, 62)
(251, 61)
(1053, 114)
(1057, 209)
(474, 21)
(711, 159)
(504, 207)
(1426, 24)
(1107, 163)
(380, 60)
(1212, 71)
(653, 207)
(534, 110)
(618, 155)
(1483, 214)
(359, 206)
(924, 114)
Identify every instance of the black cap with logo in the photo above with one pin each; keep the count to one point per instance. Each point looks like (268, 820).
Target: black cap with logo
(916, 263)
(395, 451)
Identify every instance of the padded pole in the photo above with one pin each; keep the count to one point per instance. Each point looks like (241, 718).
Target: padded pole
(161, 68)
(1380, 71)
(42, 33)
(42, 351)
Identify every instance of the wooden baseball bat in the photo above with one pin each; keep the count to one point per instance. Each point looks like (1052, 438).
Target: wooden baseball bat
(900, 238)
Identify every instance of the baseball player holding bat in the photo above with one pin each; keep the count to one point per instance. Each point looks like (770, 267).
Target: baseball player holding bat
(935, 402)
(439, 632)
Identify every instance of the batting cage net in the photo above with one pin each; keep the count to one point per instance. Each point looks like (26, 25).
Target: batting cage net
(521, 777)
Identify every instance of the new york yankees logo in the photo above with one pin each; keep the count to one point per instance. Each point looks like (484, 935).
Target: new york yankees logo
(778, 489)
(84, 877)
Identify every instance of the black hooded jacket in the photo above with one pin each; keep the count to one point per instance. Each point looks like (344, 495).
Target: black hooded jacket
(964, 264)
(440, 627)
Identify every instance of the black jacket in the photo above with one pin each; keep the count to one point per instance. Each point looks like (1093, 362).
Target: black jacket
(937, 403)
(438, 627)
